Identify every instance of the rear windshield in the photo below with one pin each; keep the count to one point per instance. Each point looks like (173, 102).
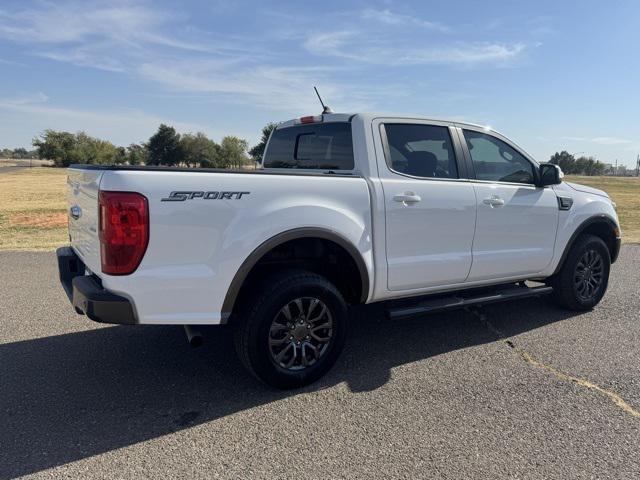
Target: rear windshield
(322, 146)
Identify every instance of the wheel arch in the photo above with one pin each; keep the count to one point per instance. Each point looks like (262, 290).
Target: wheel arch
(260, 252)
(601, 226)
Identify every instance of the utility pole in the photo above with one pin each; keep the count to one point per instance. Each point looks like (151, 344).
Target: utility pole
(615, 172)
(638, 166)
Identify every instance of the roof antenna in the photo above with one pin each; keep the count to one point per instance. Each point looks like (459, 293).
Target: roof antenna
(325, 109)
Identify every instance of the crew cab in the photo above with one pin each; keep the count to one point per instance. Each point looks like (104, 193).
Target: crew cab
(420, 214)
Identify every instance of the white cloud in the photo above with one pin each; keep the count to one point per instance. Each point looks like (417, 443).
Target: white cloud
(349, 45)
(331, 43)
(28, 99)
(131, 39)
(122, 126)
(70, 22)
(112, 37)
(601, 140)
(10, 62)
(463, 54)
(397, 19)
(85, 56)
(285, 89)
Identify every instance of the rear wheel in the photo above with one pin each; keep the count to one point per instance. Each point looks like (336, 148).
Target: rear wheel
(584, 276)
(294, 330)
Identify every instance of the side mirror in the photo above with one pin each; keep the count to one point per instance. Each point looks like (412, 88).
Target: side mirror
(549, 174)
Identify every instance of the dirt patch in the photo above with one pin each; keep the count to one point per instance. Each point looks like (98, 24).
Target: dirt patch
(41, 220)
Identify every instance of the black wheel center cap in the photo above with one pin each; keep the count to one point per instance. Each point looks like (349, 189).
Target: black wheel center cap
(300, 331)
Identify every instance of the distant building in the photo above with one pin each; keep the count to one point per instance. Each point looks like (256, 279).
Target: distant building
(609, 169)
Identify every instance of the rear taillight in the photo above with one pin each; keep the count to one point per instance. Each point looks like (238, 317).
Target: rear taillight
(124, 231)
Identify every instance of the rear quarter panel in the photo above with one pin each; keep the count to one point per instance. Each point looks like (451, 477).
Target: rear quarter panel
(196, 246)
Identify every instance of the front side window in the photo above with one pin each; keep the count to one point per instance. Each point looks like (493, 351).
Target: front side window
(421, 150)
(323, 146)
(496, 161)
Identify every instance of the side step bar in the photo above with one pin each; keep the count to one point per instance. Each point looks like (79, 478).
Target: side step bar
(465, 299)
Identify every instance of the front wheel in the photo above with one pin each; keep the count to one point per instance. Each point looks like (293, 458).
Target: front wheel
(582, 281)
(294, 330)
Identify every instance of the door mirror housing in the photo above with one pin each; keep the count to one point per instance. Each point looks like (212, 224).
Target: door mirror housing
(549, 174)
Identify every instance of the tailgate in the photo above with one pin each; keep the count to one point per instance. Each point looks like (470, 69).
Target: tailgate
(82, 196)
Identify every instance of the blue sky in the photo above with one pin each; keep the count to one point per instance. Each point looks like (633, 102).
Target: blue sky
(549, 74)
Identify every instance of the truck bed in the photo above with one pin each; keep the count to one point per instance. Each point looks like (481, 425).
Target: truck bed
(204, 223)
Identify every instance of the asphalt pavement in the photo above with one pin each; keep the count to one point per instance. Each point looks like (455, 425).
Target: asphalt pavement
(519, 390)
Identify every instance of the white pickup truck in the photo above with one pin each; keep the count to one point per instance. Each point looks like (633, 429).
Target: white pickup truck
(423, 215)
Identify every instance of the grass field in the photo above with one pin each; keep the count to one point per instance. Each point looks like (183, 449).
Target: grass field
(625, 191)
(33, 207)
(12, 162)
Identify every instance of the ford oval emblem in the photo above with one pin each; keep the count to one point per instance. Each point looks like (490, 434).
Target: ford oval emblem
(75, 212)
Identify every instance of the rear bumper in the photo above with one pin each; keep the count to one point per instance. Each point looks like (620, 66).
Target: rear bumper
(87, 295)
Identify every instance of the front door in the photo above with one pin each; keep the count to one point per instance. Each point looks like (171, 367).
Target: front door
(430, 211)
(517, 221)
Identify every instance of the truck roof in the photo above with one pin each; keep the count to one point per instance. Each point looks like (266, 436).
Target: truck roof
(368, 116)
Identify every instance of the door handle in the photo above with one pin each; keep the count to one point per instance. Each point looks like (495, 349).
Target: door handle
(494, 201)
(407, 198)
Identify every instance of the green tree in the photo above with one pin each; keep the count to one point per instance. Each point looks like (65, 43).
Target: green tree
(95, 151)
(164, 147)
(589, 166)
(233, 152)
(121, 156)
(65, 148)
(258, 151)
(199, 150)
(137, 154)
(599, 168)
(564, 160)
(581, 165)
(56, 146)
(20, 153)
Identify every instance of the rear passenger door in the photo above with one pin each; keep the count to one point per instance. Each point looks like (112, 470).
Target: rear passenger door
(517, 221)
(430, 210)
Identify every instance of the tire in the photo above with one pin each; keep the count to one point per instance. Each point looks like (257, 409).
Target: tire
(587, 263)
(263, 330)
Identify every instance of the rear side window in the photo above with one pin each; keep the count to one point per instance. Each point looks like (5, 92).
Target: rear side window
(421, 150)
(322, 146)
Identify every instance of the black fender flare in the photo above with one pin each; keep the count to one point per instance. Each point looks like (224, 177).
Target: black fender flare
(597, 219)
(294, 234)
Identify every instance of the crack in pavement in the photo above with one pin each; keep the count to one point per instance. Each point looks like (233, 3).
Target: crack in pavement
(531, 360)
